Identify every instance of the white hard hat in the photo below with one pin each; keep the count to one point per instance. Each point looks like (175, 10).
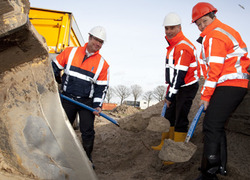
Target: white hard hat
(98, 32)
(172, 19)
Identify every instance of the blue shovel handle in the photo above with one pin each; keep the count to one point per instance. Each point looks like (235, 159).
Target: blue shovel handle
(194, 123)
(90, 109)
(163, 112)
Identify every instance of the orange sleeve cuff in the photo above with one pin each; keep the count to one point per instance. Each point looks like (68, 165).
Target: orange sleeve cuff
(205, 98)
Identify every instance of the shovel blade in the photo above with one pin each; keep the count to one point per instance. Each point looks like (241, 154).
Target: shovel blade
(177, 151)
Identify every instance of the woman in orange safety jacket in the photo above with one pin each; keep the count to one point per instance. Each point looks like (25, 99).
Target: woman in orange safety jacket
(224, 63)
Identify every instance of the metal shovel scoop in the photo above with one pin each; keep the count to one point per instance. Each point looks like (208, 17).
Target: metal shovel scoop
(181, 151)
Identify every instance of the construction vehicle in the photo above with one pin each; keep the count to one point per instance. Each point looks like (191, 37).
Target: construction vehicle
(59, 28)
(37, 140)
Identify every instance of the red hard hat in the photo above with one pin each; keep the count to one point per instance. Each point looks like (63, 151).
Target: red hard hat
(201, 9)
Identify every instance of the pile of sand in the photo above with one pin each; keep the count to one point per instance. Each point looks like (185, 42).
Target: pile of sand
(125, 110)
(125, 152)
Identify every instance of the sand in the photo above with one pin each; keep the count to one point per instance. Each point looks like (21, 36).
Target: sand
(125, 153)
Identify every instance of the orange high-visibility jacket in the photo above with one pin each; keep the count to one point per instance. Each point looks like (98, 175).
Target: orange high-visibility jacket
(84, 77)
(224, 60)
(181, 64)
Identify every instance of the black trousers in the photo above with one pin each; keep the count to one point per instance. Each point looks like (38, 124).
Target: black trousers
(223, 102)
(86, 117)
(179, 109)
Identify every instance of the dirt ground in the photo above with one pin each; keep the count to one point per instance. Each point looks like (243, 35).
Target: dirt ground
(125, 152)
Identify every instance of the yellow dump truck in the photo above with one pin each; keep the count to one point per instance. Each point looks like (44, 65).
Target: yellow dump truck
(59, 28)
(37, 140)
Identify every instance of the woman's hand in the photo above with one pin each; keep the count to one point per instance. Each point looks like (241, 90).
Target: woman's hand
(205, 103)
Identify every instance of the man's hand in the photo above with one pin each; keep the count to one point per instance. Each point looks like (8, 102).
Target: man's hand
(167, 102)
(97, 113)
(205, 103)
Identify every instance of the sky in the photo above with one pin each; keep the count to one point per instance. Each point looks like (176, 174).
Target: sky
(136, 45)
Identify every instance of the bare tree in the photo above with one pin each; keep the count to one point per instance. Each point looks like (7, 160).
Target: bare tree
(136, 91)
(109, 94)
(159, 93)
(122, 92)
(148, 96)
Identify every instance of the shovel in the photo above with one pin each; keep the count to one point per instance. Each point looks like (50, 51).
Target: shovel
(90, 109)
(163, 112)
(181, 151)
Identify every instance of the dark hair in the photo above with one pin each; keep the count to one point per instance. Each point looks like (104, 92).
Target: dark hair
(211, 15)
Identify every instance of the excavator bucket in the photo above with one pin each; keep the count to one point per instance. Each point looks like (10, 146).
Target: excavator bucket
(37, 140)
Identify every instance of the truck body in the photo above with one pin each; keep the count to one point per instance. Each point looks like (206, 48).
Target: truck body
(59, 28)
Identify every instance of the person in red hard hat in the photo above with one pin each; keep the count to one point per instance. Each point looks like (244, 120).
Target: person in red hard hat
(224, 64)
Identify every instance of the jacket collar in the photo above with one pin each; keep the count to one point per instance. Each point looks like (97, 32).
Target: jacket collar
(86, 51)
(216, 23)
(175, 39)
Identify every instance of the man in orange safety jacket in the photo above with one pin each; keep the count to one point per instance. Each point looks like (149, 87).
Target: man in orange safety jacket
(224, 64)
(85, 79)
(182, 76)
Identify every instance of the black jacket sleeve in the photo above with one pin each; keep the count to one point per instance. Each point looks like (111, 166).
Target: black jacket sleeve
(57, 73)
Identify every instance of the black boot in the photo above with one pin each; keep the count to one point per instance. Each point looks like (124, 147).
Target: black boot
(204, 177)
(223, 156)
(210, 162)
(88, 147)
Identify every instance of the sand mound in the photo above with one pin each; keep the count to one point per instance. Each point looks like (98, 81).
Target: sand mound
(125, 153)
(149, 119)
(125, 110)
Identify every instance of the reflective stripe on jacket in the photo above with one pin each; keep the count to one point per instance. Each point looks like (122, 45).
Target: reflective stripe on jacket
(181, 64)
(84, 76)
(224, 60)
